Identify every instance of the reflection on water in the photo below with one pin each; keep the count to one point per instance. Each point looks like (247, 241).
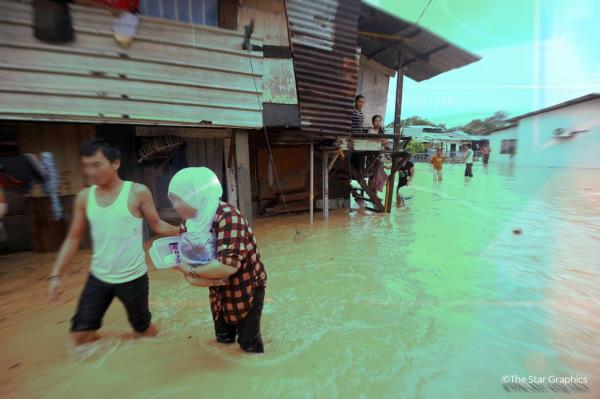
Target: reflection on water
(437, 300)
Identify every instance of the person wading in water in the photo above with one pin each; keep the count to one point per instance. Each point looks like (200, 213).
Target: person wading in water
(115, 210)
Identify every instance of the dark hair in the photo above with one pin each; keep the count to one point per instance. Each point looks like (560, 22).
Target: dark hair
(376, 116)
(358, 98)
(469, 146)
(91, 147)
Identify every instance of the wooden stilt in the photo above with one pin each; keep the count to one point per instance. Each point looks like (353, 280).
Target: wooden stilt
(312, 182)
(324, 162)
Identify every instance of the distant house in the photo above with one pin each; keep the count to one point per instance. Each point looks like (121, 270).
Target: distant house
(563, 135)
(450, 142)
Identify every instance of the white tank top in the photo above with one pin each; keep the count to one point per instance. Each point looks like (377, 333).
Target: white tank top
(117, 239)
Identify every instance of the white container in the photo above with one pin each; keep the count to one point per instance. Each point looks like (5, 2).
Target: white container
(164, 252)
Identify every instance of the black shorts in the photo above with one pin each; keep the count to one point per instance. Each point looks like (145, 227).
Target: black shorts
(97, 296)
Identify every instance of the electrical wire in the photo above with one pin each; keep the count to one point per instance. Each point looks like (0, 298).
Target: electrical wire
(423, 12)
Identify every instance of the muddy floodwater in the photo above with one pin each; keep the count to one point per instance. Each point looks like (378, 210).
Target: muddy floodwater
(439, 300)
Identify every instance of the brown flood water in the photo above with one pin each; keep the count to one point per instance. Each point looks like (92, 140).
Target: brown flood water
(439, 300)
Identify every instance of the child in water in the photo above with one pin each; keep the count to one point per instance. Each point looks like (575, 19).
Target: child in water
(220, 252)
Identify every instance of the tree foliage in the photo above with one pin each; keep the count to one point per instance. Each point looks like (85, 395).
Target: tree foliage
(487, 125)
(476, 126)
(415, 147)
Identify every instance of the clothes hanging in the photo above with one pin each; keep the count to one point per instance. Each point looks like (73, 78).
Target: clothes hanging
(19, 168)
(51, 184)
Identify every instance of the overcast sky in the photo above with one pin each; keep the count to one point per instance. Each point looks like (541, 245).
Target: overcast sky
(535, 53)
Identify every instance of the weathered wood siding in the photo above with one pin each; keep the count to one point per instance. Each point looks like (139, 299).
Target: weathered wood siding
(173, 73)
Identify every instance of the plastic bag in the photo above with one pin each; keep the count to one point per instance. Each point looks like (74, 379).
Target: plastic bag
(198, 247)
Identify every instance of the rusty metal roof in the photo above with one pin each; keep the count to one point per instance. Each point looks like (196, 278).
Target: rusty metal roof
(324, 44)
(382, 35)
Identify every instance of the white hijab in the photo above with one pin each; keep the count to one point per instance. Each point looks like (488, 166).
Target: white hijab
(199, 188)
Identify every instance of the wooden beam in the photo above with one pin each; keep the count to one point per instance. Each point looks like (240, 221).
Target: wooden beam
(198, 132)
(425, 56)
(397, 132)
(324, 162)
(374, 198)
(242, 158)
(312, 182)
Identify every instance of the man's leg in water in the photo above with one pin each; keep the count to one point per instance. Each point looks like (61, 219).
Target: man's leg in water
(134, 295)
(95, 299)
(469, 170)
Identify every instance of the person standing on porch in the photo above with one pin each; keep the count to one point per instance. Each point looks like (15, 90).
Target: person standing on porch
(377, 122)
(357, 127)
(115, 210)
(358, 119)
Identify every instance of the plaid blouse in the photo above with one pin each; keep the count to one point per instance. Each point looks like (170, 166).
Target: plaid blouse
(236, 247)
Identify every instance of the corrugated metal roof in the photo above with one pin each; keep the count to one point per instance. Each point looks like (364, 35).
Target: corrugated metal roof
(426, 54)
(460, 135)
(173, 74)
(324, 34)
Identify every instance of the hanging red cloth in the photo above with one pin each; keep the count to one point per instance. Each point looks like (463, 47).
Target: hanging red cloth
(126, 5)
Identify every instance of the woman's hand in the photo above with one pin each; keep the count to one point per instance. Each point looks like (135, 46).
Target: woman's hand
(184, 268)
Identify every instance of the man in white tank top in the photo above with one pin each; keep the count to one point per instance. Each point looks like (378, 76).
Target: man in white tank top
(115, 210)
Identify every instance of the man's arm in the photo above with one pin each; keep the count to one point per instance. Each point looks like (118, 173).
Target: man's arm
(70, 245)
(148, 210)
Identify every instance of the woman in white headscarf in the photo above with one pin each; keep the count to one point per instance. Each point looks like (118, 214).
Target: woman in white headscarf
(195, 194)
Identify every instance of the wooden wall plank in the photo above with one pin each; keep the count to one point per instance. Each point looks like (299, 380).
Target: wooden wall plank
(243, 174)
(230, 171)
(172, 74)
(117, 88)
(101, 67)
(269, 20)
(48, 107)
(92, 42)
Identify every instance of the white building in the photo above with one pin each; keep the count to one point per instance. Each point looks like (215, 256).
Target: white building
(563, 135)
